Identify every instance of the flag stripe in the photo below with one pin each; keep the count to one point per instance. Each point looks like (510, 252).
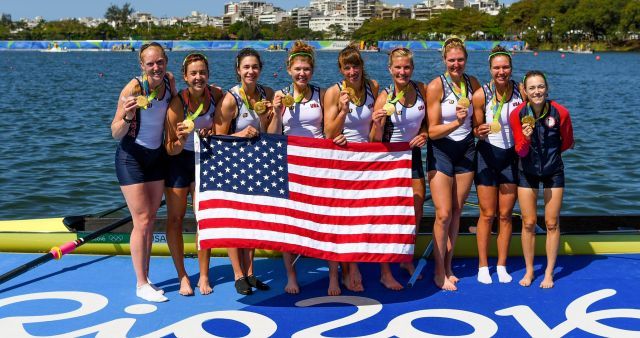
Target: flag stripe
(267, 235)
(355, 147)
(348, 194)
(354, 203)
(350, 156)
(372, 210)
(319, 218)
(348, 165)
(352, 185)
(285, 230)
(347, 175)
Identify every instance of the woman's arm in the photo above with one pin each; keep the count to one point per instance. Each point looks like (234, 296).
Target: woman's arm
(175, 136)
(126, 109)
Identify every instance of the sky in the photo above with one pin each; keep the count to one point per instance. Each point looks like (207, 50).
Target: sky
(59, 9)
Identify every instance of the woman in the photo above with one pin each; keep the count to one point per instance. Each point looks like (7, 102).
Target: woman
(496, 160)
(399, 116)
(241, 114)
(542, 131)
(348, 119)
(192, 108)
(450, 153)
(140, 161)
(302, 116)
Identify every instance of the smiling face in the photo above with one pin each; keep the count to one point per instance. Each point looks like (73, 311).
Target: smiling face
(300, 71)
(197, 75)
(455, 61)
(500, 69)
(352, 74)
(536, 88)
(249, 70)
(153, 63)
(401, 69)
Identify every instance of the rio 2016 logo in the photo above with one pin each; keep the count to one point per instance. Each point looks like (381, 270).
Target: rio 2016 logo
(577, 318)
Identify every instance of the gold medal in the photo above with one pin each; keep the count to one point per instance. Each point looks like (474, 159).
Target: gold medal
(260, 107)
(142, 101)
(390, 108)
(528, 119)
(288, 101)
(495, 127)
(351, 92)
(188, 125)
(464, 102)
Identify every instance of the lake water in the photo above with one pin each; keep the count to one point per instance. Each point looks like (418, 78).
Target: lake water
(56, 150)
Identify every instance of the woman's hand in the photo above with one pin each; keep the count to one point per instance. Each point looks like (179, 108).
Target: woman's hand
(527, 130)
(378, 117)
(340, 140)
(130, 104)
(344, 101)
(418, 141)
(461, 113)
(248, 132)
(278, 107)
(483, 131)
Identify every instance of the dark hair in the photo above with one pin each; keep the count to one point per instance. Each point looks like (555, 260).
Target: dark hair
(152, 44)
(194, 57)
(497, 51)
(451, 43)
(245, 52)
(351, 55)
(534, 73)
(301, 50)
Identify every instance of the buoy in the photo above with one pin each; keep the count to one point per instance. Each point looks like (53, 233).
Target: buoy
(562, 55)
(597, 57)
(100, 74)
(535, 53)
(275, 74)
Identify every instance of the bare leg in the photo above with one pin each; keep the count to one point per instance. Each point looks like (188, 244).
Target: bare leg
(204, 257)
(441, 192)
(527, 199)
(176, 208)
(334, 280)
(507, 199)
(553, 204)
(488, 199)
(292, 286)
(460, 191)
(418, 205)
(236, 262)
(387, 279)
(355, 278)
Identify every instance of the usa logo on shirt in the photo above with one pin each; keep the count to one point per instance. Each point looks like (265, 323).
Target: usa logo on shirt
(551, 121)
(315, 105)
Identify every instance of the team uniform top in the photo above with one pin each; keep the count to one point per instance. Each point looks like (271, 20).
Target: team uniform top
(245, 117)
(405, 123)
(304, 118)
(147, 129)
(357, 123)
(204, 120)
(448, 109)
(503, 139)
(553, 134)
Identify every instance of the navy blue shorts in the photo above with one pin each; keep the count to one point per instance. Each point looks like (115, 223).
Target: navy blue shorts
(451, 157)
(137, 164)
(555, 180)
(181, 170)
(417, 169)
(495, 166)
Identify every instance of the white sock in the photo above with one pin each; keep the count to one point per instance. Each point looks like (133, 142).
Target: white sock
(155, 287)
(147, 293)
(503, 275)
(483, 275)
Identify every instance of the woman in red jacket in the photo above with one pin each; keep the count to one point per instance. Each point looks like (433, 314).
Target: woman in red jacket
(541, 131)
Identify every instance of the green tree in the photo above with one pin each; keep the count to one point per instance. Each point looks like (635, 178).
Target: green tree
(630, 17)
(119, 15)
(336, 30)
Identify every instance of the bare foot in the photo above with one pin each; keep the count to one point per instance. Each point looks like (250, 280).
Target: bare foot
(204, 286)
(547, 282)
(527, 279)
(410, 269)
(453, 279)
(334, 287)
(391, 283)
(292, 286)
(444, 283)
(185, 287)
(353, 282)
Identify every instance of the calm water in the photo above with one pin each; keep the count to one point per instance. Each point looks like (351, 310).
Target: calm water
(56, 150)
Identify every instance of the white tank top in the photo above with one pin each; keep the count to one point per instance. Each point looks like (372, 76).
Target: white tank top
(245, 117)
(204, 120)
(357, 123)
(448, 109)
(150, 130)
(304, 118)
(405, 123)
(503, 139)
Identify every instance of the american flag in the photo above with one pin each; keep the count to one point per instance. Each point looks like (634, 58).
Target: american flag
(306, 196)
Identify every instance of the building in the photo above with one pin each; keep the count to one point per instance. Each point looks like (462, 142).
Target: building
(322, 23)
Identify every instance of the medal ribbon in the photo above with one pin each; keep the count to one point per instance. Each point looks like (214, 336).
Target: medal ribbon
(193, 116)
(145, 87)
(544, 111)
(497, 109)
(245, 99)
(396, 97)
(462, 92)
(300, 97)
